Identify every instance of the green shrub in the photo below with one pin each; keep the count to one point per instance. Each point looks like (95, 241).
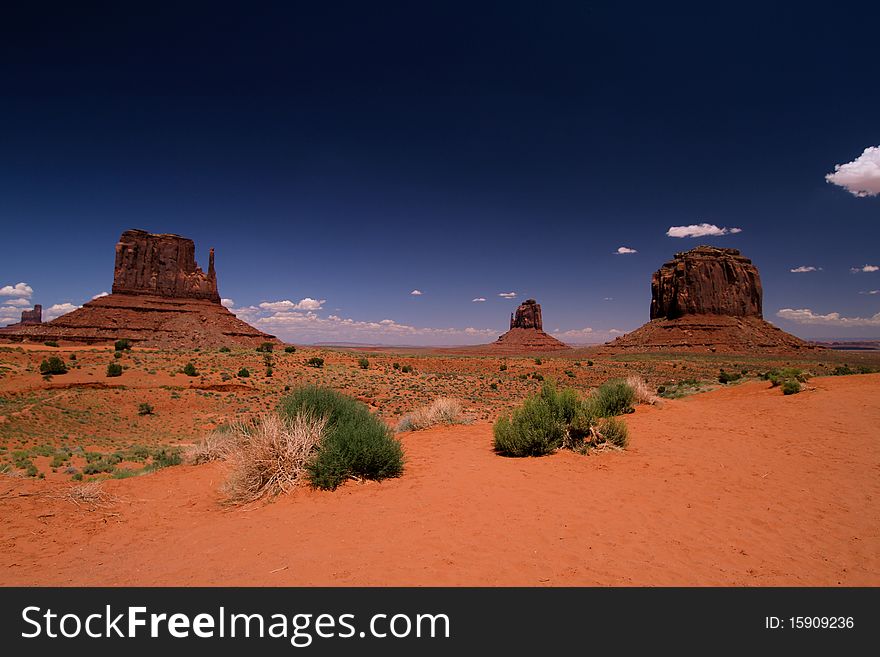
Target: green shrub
(50, 343)
(613, 397)
(395, 366)
(363, 363)
(406, 369)
(315, 361)
(265, 347)
(589, 363)
(356, 443)
(727, 377)
(190, 369)
(145, 408)
(269, 371)
(53, 365)
(225, 350)
(790, 387)
(503, 367)
(541, 424)
(122, 345)
(72, 356)
(614, 431)
(537, 361)
(244, 373)
(114, 369)
(290, 349)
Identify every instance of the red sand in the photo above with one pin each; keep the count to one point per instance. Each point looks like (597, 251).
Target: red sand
(741, 486)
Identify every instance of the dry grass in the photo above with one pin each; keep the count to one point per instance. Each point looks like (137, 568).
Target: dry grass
(644, 395)
(269, 456)
(90, 495)
(443, 410)
(216, 446)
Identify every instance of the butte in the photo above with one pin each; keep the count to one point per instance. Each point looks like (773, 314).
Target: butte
(707, 299)
(527, 332)
(161, 298)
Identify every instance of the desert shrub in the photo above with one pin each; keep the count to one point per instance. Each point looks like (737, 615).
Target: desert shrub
(791, 387)
(538, 361)
(50, 343)
(613, 397)
(244, 373)
(271, 455)
(72, 356)
(356, 443)
(117, 354)
(269, 371)
(502, 367)
(190, 369)
(363, 363)
(642, 392)
(589, 363)
(493, 386)
(145, 408)
(166, 457)
(537, 376)
(441, 411)
(122, 345)
(225, 350)
(728, 377)
(114, 369)
(216, 446)
(570, 374)
(290, 349)
(540, 425)
(406, 369)
(53, 365)
(315, 361)
(265, 347)
(613, 431)
(395, 366)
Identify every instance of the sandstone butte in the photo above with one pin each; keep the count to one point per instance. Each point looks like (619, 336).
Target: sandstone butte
(161, 298)
(707, 299)
(527, 332)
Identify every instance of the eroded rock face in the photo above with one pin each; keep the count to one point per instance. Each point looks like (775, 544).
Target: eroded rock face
(527, 316)
(162, 265)
(30, 317)
(706, 280)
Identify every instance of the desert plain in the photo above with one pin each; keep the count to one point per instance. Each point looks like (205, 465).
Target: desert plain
(721, 484)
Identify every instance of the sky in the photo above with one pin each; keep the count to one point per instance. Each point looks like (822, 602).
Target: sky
(408, 173)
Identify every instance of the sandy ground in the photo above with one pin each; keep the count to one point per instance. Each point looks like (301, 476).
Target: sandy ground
(740, 486)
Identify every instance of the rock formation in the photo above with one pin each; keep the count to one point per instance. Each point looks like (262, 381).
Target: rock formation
(29, 317)
(527, 316)
(527, 332)
(162, 265)
(161, 298)
(707, 299)
(706, 281)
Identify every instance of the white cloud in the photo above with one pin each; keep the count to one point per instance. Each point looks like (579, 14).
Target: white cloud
(866, 268)
(21, 303)
(9, 315)
(700, 230)
(615, 331)
(478, 300)
(507, 295)
(608, 299)
(624, 250)
(309, 326)
(861, 177)
(102, 294)
(870, 292)
(416, 293)
(227, 303)
(18, 290)
(807, 316)
(803, 269)
(57, 310)
(303, 304)
(574, 333)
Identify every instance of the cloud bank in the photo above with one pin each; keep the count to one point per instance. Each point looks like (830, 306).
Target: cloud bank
(22, 290)
(807, 316)
(803, 269)
(507, 295)
(624, 250)
(861, 177)
(865, 269)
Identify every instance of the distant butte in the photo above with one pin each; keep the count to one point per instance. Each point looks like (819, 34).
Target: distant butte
(707, 299)
(527, 332)
(161, 298)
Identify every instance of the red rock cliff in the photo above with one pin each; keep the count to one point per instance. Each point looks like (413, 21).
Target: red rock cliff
(706, 280)
(162, 265)
(528, 316)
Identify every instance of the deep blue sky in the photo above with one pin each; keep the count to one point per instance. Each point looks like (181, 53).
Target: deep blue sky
(354, 152)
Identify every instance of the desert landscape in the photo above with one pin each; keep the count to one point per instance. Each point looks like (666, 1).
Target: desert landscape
(706, 448)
